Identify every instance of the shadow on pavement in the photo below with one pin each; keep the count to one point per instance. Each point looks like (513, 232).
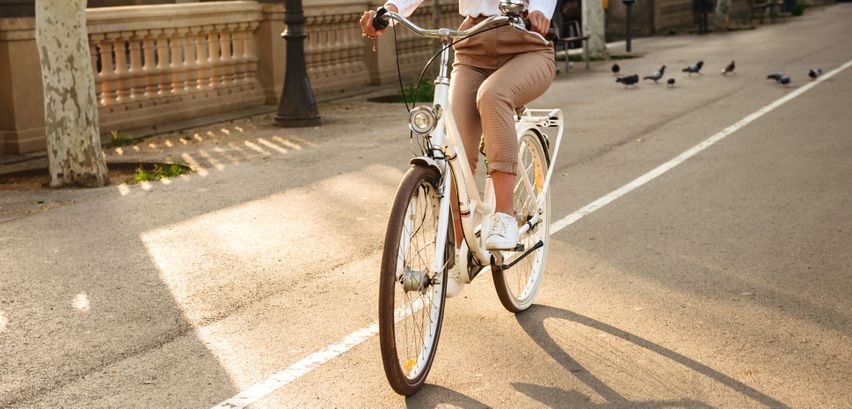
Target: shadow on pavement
(532, 322)
(433, 396)
(560, 398)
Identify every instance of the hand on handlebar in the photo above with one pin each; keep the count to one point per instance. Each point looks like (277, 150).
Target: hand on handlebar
(540, 23)
(367, 22)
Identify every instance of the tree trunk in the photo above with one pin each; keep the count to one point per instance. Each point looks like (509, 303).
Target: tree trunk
(70, 108)
(723, 14)
(593, 25)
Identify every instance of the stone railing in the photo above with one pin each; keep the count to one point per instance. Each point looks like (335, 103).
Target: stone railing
(175, 62)
(172, 62)
(338, 59)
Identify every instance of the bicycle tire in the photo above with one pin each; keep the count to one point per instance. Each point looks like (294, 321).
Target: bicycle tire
(518, 286)
(404, 375)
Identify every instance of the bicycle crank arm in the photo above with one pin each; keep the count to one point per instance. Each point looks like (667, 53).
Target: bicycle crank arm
(504, 267)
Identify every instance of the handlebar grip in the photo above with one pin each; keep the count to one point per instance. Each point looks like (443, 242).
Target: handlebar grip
(551, 33)
(380, 22)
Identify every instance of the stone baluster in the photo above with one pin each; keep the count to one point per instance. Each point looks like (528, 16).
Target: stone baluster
(202, 60)
(251, 54)
(150, 66)
(122, 86)
(320, 46)
(176, 64)
(227, 56)
(336, 40)
(239, 38)
(190, 61)
(95, 55)
(107, 74)
(165, 77)
(214, 70)
(134, 71)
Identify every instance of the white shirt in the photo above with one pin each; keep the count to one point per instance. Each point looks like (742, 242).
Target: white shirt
(474, 8)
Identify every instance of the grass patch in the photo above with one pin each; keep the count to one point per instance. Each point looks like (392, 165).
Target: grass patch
(120, 140)
(157, 172)
(426, 93)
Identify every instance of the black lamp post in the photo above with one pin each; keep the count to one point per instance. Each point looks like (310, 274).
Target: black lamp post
(629, 4)
(297, 107)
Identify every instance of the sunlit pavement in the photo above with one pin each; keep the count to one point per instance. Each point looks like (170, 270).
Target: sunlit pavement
(725, 282)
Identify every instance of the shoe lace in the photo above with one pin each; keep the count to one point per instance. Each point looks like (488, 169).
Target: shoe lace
(499, 226)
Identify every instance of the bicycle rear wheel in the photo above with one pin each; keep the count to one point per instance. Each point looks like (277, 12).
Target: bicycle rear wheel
(518, 286)
(411, 295)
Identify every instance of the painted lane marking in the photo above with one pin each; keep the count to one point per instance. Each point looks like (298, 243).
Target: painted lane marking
(311, 362)
(677, 160)
(307, 364)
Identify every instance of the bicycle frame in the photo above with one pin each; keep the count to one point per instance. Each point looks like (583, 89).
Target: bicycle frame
(451, 157)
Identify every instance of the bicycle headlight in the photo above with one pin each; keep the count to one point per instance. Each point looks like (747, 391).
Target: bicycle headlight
(422, 120)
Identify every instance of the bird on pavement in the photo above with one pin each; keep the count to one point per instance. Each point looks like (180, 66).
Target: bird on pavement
(615, 69)
(729, 69)
(628, 80)
(671, 83)
(814, 73)
(657, 75)
(775, 76)
(695, 68)
(784, 80)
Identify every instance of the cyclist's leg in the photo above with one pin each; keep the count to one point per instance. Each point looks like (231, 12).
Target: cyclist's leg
(463, 89)
(517, 82)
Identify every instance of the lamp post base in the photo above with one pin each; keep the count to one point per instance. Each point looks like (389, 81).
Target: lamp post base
(297, 107)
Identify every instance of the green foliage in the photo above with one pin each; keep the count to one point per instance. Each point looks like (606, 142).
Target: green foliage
(426, 93)
(798, 9)
(158, 172)
(120, 140)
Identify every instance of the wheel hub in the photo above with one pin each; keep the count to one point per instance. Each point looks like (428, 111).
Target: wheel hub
(413, 280)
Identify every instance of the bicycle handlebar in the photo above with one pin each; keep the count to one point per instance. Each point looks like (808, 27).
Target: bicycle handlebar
(383, 17)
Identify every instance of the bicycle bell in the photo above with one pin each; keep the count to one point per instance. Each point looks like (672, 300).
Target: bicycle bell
(511, 8)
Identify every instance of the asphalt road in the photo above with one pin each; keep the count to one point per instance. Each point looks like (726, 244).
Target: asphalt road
(725, 282)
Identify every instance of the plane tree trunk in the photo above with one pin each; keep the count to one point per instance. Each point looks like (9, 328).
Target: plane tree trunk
(71, 111)
(723, 14)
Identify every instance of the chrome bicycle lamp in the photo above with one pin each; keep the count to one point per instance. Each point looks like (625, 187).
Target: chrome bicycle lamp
(422, 120)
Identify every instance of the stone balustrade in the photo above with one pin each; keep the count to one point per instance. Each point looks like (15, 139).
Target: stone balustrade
(173, 62)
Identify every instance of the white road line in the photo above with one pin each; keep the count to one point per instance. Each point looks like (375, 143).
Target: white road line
(309, 363)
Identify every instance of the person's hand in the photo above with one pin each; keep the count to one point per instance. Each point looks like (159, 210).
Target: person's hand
(367, 21)
(540, 24)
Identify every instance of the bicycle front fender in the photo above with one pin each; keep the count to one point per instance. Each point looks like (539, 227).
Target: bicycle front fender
(426, 161)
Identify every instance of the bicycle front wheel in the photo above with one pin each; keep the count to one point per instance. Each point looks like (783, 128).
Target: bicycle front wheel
(518, 286)
(411, 294)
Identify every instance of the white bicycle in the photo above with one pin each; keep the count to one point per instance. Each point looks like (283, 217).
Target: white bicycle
(419, 243)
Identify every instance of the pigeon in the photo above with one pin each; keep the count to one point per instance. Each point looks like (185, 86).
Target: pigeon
(628, 80)
(814, 73)
(784, 80)
(694, 69)
(775, 76)
(657, 74)
(615, 69)
(729, 69)
(671, 82)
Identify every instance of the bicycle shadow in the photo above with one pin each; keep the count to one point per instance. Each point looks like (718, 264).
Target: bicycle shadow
(532, 321)
(433, 396)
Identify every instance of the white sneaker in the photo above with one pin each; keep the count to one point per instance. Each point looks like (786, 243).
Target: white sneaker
(457, 277)
(503, 234)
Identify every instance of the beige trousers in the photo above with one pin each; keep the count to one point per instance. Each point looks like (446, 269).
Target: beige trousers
(493, 73)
